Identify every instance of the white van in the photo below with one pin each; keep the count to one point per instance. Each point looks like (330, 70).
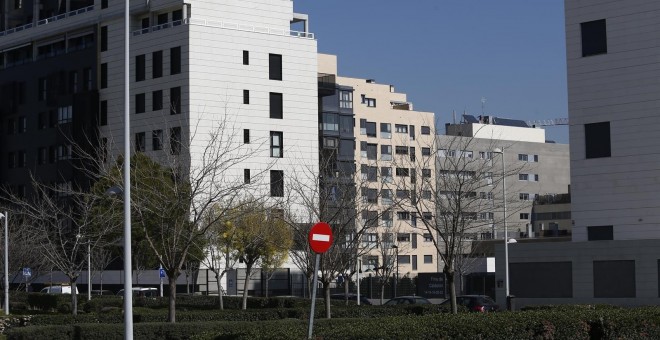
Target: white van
(142, 292)
(57, 290)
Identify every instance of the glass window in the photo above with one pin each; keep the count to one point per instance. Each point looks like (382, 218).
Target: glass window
(399, 128)
(346, 99)
(276, 105)
(275, 66)
(276, 144)
(157, 100)
(175, 100)
(140, 68)
(157, 63)
(330, 122)
(594, 37)
(426, 130)
(597, 140)
(140, 142)
(175, 60)
(175, 140)
(157, 140)
(277, 183)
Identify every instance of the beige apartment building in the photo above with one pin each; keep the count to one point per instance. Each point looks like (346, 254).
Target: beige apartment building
(392, 150)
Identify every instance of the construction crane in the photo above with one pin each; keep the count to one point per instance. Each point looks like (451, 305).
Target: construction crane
(547, 122)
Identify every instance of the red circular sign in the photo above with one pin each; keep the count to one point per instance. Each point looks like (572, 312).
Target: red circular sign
(320, 237)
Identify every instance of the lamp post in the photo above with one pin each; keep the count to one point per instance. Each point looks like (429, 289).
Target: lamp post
(128, 281)
(396, 279)
(89, 272)
(6, 217)
(359, 269)
(506, 231)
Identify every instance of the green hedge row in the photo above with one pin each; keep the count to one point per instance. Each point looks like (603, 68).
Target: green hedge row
(640, 323)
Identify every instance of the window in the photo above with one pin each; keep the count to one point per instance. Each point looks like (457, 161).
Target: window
(403, 259)
(175, 140)
(402, 193)
(594, 37)
(428, 237)
(144, 23)
(330, 122)
(64, 114)
(346, 99)
(175, 100)
(426, 130)
(369, 173)
(140, 66)
(524, 216)
(177, 16)
(536, 158)
(426, 194)
(426, 173)
(175, 60)
(276, 144)
(523, 177)
(386, 152)
(162, 19)
(363, 126)
(104, 75)
(428, 259)
(414, 262)
(523, 196)
(371, 102)
(246, 176)
(536, 177)
(22, 124)
(399, 128)
(22, 159)
(246, 96)
(104, 38)
(87, 79)
(140, 142)
(403, 237)
(330, 143)
(372, 151)
(386, 196)
(522, 157)
(157, 140)
(157, 64)
(43, 88)
(73, 82)
(412, 132)
(403, 172)
(157, 100)
(276, 105)
(403, 215)
(600, 233)
(597, 140)
(63, 152)
(104, 4)
(370, 240)
(277, 183)
(103, 113)
(369, 196)
(246, 136)
(246, 57)
(426, 151)
(371, 129)
(614, 279)
(386, 174)
(386, 130)
(275, 66)
(412, 153)
(11, 160)
(42, 156)
(139, 103)
(42, 122)
(401, 150)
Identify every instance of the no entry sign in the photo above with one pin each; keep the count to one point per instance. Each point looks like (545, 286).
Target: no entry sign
(320, 237)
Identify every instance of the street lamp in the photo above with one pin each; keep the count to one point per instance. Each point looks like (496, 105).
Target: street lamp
(6, 217)
(396, 279)
(506, 231)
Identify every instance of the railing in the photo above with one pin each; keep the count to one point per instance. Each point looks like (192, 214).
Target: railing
(48, 20)
(249, 28)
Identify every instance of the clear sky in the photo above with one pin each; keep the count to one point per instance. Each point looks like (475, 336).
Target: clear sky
(447, 55)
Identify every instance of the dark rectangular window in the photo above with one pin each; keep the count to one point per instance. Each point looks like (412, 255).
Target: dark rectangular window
(246, 176)
(594, 37)
(246, 57)
(175, 60)
(42, 156)
(414, 262)
(157, 100)
(541, 279)
(597, 140)
(275, 66)
(104, 4)
(43, 120)
(276, 105)
(139, 103)
(144, 23)
(428, 259)
(157, 64)
(600, 233)
(177, 15)
(140, 142)
(614, 279)
(104, 38)
(157, 140)
(371, 129)
(277, 183)
(246, 96)
(140, 66)
(175, 140)
(276, 149)
(162, 18)
(426, 130)
(103, 113)
(88, 79)
(175, 100)
(246, 136)
(104, 75)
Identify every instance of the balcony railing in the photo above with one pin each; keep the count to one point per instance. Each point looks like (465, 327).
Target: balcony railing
(48, 20)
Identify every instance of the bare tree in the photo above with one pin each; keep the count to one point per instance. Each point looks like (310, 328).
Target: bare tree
(101, 259)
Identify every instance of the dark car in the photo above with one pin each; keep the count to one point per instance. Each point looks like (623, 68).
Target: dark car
(407, 300)
(351, 297)
(475, 303)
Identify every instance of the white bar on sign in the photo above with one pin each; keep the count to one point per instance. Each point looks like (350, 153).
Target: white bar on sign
(321, 237)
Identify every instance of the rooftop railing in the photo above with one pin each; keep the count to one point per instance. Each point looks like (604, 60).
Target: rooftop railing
(48, 20)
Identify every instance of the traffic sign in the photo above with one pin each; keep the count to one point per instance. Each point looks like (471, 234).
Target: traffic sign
(162, 272)
(320, 237)
(27, 272)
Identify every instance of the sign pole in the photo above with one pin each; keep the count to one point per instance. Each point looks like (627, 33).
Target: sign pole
(311, 313)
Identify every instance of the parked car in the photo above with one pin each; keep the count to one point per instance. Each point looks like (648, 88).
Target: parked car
(407, 300)
(57, 290)
(142, 292)
(102, 292)
(351, 297)
(475, 303)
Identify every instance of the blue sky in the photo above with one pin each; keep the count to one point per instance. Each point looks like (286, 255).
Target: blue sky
(448, 54)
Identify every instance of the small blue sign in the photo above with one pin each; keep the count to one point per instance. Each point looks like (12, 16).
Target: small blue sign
(27, 272)
(162, 272)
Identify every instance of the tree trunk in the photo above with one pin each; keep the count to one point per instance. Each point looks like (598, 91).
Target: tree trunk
(326, 297)
(217, 281)
(248, 270)
(382, 292)
(346, 291)
(267, 279)
(452, 290)
(74, 295)
(171, 311)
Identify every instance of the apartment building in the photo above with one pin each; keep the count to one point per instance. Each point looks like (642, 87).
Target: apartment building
(392, 145)
(613, 100)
